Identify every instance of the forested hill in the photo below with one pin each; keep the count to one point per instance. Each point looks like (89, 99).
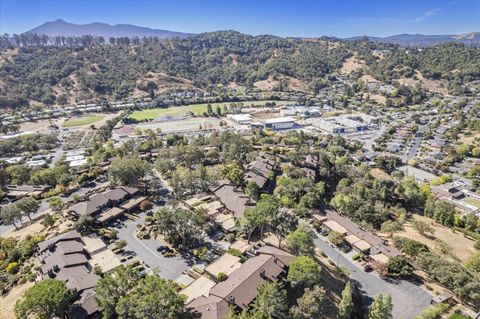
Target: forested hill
(81, 69)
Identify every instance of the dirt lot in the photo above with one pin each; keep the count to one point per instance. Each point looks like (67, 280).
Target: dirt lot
(39, 125)
(351, 64)
(7, 302)
(436, 86)
(462, 247)
(378, 173)
(292, 83)
(469, 140)
(33, 228)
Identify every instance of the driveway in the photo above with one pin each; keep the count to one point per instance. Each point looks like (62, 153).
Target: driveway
(408, 298)
(170, 268)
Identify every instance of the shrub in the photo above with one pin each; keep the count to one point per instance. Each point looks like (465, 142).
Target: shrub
(230, 238)
(357, 256)
(12, 268)
(221, 276)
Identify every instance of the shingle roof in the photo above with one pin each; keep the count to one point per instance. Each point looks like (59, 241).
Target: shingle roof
(234, 200)
(241, 287)
(209, 307)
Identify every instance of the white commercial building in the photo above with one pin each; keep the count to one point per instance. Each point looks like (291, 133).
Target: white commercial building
(280, 123)
(240, 118)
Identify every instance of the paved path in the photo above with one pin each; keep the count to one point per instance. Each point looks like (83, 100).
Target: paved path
(408, 299)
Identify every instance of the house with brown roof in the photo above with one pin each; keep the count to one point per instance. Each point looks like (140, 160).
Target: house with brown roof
(109, 204)
(236, 201)
(208, 205)
(360, 239)
(19, 191)
(260, 171)
(68, 257)
(242, 285)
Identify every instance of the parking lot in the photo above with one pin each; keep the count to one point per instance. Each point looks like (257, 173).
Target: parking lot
(145, 251)
(409, 298)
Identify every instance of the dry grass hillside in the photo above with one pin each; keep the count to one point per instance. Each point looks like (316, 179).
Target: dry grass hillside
(352, 64)
(292, 83)
(437, 86)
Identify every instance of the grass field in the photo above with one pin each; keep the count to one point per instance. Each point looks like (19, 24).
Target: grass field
(472, 201)
(197, 109)
(83, 120)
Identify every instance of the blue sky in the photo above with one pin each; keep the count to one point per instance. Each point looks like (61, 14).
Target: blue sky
(308, 18)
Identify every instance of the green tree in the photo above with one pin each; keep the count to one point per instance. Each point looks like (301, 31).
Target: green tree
(390, 226)
(181, 228)
(28, 205)
(84, 224)
(48, 220)
(153, 298)
(128, 171)
(45, 300)
(111, 288)
(252, 190)
(283, 223)
(311, 304)
(55, 204)
(381, 308)
(473, 262)
(10, 214)
(271, 302)
(304, 270)
(300, 241)
(335, 238)
(234, 173)
(422, 227)
(345, 307)
(252, 219)
(399, 266)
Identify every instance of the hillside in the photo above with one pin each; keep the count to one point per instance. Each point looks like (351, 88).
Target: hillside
(54, 74)
(62, 28)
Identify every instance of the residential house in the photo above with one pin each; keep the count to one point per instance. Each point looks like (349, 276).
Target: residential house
(242, 285)
(108, 205)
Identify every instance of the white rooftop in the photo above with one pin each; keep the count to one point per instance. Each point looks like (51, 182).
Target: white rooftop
(279, 120)
(240, 117)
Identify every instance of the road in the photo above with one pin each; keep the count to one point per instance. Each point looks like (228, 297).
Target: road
(59, 152)
(417, 140)
(408, 298)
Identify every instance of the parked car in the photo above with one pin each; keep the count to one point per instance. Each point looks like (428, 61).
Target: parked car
(367, 268)
(324, 232)
(161, 248)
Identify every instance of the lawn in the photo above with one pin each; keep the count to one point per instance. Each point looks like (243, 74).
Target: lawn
(458, 316)
(472, 201)
(83, 120)
(197, 109)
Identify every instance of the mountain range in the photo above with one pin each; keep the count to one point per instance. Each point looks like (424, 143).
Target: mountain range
(63, 28)
(423, 39)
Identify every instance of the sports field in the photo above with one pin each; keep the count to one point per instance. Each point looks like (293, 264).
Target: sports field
(197, 109)
(83, 120)
(191, 124)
